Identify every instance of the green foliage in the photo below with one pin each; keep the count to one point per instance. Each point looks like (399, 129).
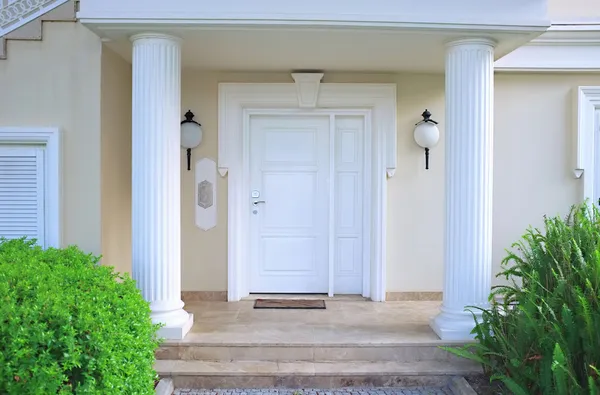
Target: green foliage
(541, 334)
(70, 326)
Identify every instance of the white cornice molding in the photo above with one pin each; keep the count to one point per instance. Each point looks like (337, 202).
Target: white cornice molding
(563, 48)
(513, 15)
(588, 34)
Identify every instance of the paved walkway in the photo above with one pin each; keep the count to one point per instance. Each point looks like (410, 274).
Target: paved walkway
(340, 391)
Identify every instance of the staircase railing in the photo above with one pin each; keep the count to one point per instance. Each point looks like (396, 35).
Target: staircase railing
(16, 13)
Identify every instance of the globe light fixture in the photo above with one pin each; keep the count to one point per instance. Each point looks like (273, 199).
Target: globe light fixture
(191, 135)
(427, 134)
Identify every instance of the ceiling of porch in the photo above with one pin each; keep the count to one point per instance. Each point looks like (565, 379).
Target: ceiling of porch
(315, 48)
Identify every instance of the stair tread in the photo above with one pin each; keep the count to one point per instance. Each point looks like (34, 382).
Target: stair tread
(308, 344)
(308, 368)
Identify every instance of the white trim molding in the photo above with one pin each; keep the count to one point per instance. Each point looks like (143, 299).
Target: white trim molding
(511, 15)
(588, 104)
(50, 138)
(563, 48)
(237, 100)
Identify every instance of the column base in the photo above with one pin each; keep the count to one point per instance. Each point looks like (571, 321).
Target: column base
(453, 326)
(177, 332)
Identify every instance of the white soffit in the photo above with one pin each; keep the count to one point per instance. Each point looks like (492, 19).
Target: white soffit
(563, 48)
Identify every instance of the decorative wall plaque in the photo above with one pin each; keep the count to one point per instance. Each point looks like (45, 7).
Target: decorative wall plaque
(206, 193)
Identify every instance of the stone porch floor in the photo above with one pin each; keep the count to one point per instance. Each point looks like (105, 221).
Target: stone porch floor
(344, 322)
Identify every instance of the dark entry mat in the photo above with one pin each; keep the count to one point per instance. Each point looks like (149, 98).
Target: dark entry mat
(289, 304)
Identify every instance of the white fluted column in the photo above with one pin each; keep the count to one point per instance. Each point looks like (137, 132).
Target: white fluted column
(469, 160)
(156, 218)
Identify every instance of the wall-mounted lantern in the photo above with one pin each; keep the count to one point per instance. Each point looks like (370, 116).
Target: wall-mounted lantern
(427, 134)
(191, 135)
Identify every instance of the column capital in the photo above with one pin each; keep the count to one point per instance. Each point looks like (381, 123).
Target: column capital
(471, 41)
(152, 36)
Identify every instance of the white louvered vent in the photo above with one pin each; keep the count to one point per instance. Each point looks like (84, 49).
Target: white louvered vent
(22, 193)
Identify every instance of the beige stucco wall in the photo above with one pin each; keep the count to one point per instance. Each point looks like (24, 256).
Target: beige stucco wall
(534, 151)
(573, 9)
(56, 83)
(415, 196)
(86, 91)
(116, 161)
(532, 164)
(69, 81)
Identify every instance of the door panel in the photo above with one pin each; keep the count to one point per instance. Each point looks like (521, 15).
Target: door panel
(289, 170)
(349, 185)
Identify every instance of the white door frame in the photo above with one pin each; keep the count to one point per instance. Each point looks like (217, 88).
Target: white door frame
(238, 100)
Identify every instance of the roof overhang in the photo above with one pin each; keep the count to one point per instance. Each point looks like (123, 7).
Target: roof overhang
(336, 35)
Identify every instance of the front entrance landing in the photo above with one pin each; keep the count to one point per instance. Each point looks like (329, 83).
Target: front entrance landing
(351, 343)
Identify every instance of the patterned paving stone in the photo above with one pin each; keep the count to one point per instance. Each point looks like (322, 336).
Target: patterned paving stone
(335, 391)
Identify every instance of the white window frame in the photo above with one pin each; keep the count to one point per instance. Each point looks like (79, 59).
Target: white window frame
(50, 139)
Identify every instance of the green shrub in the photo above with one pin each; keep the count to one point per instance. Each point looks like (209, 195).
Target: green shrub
(541, 334)
(70, 326)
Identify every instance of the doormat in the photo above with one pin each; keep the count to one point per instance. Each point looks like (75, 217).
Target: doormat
(289, 304)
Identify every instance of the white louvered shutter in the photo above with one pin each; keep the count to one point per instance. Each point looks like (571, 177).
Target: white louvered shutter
(22, 193)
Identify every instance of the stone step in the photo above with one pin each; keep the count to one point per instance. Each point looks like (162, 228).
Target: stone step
(270, 374)
(405, 352)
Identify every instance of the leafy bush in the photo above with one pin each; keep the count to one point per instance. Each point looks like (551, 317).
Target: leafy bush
(70, 326)
(541, 334)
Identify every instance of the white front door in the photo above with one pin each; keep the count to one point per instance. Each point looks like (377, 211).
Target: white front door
(289, 171)
(306, 189)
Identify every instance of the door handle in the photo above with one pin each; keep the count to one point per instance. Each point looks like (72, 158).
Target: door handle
(258, 201)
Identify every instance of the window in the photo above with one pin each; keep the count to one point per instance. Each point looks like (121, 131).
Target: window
(22, 193)
(596, 197)
(588, 141)
(30, 184)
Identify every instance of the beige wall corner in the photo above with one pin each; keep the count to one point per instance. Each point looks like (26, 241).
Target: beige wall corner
(56, 83)
(116, 161)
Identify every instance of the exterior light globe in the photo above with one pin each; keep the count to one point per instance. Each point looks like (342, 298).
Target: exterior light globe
(427, 134)
(191, 134)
